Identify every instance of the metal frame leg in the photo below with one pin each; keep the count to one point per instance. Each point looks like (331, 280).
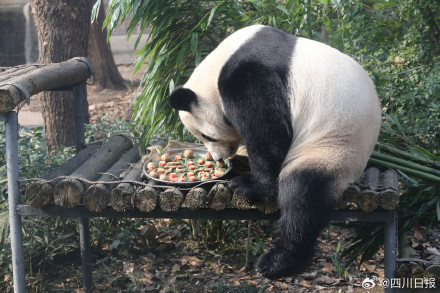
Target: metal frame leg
(11, 132)
(391, 248)
(84, 236)
(79, 95)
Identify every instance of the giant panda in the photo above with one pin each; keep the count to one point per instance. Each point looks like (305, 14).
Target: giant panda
(309, 116)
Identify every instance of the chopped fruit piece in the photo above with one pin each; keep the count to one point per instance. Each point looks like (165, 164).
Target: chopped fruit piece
(161, 170)
(192, 167)
(178, 157)
(208, 164)
(188, 154)
(173, 175)
(162, 163)
(165, 157)
(200, 162)
(190, 163)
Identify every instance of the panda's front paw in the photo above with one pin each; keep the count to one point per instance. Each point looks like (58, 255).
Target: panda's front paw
(248, 186)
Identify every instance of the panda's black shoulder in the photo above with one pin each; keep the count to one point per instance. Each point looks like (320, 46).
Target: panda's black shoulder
(268, 49)
(254, 88)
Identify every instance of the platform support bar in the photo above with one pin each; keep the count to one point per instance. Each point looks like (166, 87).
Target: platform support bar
(11, 133)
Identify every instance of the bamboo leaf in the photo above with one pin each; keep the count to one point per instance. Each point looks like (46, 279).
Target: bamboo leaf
(438, 209)
(194, 39)
(211, 15)
(95, 11)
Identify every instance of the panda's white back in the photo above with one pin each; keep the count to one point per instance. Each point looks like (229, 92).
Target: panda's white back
(334, 106)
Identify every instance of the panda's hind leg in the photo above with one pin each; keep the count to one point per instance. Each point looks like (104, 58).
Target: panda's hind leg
(305, 204)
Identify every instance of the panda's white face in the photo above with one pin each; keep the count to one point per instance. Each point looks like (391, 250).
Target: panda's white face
(220, 139)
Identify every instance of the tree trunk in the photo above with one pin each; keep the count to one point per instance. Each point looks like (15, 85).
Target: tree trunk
(63, 31)
(100, 55)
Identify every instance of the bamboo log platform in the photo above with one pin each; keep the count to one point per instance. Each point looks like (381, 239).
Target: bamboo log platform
(111, 178)
(21, 82)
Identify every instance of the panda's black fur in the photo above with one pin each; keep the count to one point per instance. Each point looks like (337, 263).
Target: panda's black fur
(254, 99)
(253, 89)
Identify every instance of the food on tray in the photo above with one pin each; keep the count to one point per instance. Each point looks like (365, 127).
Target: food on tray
(166, 157)
(208, 157)
(188, 154)
(186, 166)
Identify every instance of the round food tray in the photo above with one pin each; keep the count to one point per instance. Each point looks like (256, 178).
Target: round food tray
(198, 151)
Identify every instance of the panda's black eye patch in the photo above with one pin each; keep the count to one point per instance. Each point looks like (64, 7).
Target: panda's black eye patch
(208, 138)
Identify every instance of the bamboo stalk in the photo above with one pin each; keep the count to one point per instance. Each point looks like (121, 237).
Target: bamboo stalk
(410, 156)
(405, 163)
(422, 175)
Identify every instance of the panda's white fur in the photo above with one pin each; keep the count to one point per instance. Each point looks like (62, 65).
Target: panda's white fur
(325, 122)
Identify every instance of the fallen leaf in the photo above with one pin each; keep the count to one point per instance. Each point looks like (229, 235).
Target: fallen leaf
(432, 250)
(418, 232)
(175, 268)
(328, 268)
(369, 267)
(309, 276)
(415, 243)
(192, 261)
(327, 280)
(304, 283)
(128, 268)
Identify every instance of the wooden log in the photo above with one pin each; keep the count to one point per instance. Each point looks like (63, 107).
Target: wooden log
(219, 197)
(97, 196)
(68, 193)
(122, 196)
(389, 196)
(49, 77)
(197, 198)
(410, 270)
(40, 193)
(368, 201)
(16, 72)
(146, 199)
(352, 193)
(171, 199)
(268, 206)
(433, 271)
(241, 202)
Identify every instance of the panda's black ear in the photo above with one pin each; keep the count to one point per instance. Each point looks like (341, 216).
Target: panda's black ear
(182, 98)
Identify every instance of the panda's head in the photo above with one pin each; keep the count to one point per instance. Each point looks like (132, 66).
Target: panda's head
(204, 117)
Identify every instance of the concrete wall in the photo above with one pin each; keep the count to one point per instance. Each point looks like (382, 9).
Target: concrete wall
(12, 33)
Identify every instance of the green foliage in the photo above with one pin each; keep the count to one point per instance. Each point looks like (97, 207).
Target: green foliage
(396, 41)
(420, 191)
(215, 232)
